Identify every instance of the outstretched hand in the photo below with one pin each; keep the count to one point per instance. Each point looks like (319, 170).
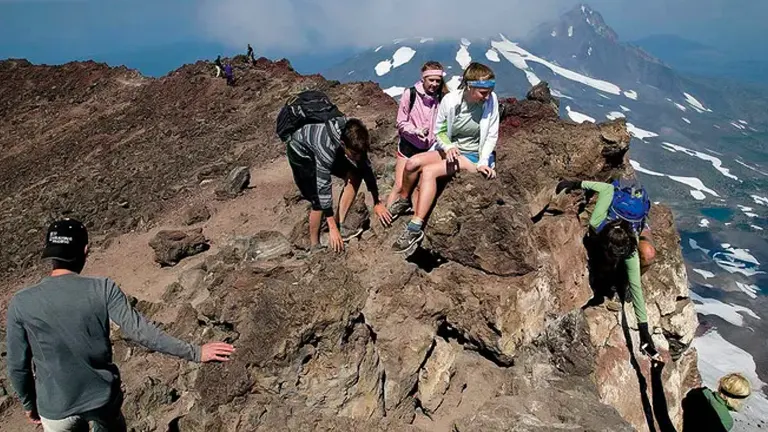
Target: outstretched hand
(216, 351)
(381, 211)
(488, 172)
(335, 241)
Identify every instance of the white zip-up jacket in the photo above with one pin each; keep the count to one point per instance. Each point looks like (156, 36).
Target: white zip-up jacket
(489, 124)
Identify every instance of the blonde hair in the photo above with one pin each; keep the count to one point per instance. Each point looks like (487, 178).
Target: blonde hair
(476, 72)
(734, 388)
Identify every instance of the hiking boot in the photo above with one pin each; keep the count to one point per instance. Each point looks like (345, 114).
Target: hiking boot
(400, 207)
(348, 234)
(407, 239)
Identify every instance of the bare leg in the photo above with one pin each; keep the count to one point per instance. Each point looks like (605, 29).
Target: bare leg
(646, 250)
(315, 218)
(415, 196)
(399, 170)
(414, 166)
(428, 184)
(347, 197)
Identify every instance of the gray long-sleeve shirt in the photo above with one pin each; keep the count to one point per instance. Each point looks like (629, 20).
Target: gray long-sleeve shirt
(61, 326)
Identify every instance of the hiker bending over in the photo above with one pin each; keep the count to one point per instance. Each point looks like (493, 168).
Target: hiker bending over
(59, 351)
(217, 64)
(708, 411)
(229, 74)
(467, 128)
(322, 142)
(416, 125)
(618, 226)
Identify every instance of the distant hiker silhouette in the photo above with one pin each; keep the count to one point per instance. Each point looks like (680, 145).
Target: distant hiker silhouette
(249, 54)
(217, 64)
(229, 74)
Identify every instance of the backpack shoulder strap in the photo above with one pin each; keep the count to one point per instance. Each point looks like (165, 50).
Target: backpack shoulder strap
(412, 95)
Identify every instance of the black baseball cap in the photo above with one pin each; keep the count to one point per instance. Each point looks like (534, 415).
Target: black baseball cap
(66, 240)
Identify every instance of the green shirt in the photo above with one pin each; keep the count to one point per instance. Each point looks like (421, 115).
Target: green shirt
(718, 404)
(466, 127)
(604, 199)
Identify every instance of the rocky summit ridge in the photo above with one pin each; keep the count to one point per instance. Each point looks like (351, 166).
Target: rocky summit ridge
(484, 330)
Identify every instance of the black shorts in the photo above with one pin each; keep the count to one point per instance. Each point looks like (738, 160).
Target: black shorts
(407, 150)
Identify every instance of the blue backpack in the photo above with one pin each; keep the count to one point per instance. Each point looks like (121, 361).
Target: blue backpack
(630, 203)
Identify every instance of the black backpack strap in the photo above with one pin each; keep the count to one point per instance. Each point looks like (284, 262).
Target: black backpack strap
(413, 100)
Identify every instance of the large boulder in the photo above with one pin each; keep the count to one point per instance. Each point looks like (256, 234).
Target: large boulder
(172, 246)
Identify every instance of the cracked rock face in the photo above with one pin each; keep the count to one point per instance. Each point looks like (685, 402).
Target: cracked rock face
(489, 337)
(484, 332)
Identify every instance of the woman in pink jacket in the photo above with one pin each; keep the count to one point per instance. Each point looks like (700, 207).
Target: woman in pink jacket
(416, 120)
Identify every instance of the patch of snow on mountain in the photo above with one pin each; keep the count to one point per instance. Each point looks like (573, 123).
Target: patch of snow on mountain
(717, 127)
(425, 40)
(583, 9)
(577, 116)
(570, 31)
(686, 120)
(735, 260)
(638, 133)
(394, 91)
(636, 165)
(695, 246)
(556, 93)
(694, 183)
(704, 223)
(350, 72)
(681, 107)
(462, 57)
(755, 227)
(743, 122)
(727, 311)
(519, 58)
(631, 94)
(752, 168)
(465, 41)
(383, 67)
(698, 195)
(737, 126)
(397, 41)
(613, 115)
(760, 200)
(453, 83)
(554, 33)
(750, 290)
(492, 55)
(718, 357)
(625, 109)
(603, 96)
(716, 163)
(533, 79)
(698, 106)
(704, 273)
(589, 51)
(748, 211)
(402, 56)
(377, 49)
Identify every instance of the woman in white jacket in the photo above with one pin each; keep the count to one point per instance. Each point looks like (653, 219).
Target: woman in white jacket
(467, 128)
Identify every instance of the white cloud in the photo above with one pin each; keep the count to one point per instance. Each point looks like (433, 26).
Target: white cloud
(304, 25)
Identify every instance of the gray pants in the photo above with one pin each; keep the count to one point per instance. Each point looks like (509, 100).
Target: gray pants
(108, 418)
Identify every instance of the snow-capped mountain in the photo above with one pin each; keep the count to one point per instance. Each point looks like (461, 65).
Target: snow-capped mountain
(700, 147)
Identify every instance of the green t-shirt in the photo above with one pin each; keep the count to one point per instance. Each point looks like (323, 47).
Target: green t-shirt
(604, 199)
(466, 127)
(720, 408)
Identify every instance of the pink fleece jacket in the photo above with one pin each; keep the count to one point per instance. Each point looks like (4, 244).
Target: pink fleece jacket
(421, 116)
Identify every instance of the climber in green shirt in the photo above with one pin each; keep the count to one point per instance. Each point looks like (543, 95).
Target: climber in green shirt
(618, 223)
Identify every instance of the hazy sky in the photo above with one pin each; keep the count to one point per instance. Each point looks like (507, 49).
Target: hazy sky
(59, 30)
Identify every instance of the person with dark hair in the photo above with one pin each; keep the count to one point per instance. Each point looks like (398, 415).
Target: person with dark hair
(618, 226)
(249, 54)
(416, 117)
(229, 74)
(217, 64)
(466, 132)
(61, 326)
(338, 147)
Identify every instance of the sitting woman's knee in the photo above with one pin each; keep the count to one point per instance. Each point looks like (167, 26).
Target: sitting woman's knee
(412, 165)
(647, 252)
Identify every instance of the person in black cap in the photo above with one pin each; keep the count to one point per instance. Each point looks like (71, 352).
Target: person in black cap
(62, 325)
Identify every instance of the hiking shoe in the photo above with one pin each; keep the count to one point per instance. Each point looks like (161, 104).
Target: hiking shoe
(400, 207)
(348, 234)
(407, 239)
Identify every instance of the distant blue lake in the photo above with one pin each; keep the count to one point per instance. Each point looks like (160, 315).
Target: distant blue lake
(720, 214)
